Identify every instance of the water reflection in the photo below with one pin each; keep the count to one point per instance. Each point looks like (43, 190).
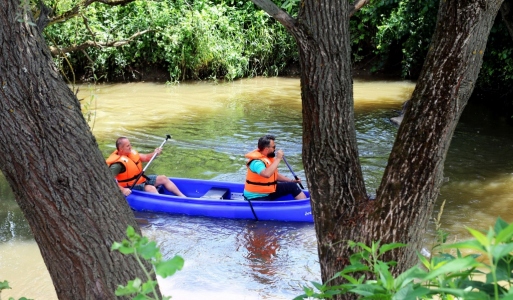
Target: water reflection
(212, 126)
(239, 259)
(262, 244)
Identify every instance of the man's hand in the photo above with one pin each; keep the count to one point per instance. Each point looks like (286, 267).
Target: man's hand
(279, 154)
(126, 191)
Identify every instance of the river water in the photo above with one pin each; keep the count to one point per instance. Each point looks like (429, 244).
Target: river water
(212, 126)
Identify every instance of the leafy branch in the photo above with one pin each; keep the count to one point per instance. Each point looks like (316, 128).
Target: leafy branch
(145, 250)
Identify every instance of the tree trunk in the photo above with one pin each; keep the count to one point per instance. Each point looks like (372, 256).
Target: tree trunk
(414, 173)
(330, 152)
(412, 179)
(55, 169)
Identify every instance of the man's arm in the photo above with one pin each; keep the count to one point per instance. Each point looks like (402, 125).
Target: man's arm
(284, 178)
(269, 171)
(115, 169)
(147, 157)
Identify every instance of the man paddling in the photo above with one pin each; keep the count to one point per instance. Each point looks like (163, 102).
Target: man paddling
(126, 164)
(263, 182)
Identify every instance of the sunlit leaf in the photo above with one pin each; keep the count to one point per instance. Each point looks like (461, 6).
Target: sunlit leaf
(4, 285)
(169, 267)
(149, 250)
(452, 266)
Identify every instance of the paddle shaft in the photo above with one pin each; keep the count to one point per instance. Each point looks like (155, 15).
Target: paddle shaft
(293, 174)
(147, 165)
(252, 209)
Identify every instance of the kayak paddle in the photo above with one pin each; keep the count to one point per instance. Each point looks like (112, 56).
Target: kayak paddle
(148, 164)
(293, 174)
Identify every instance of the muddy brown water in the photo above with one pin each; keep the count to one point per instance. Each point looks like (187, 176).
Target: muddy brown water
(212, 126)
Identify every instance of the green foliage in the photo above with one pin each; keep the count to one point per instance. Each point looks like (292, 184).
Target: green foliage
(447, 275)
(194, 40)
(396, 31)
(219, 39)
(143, 249)
(497, 71)
(4, 285)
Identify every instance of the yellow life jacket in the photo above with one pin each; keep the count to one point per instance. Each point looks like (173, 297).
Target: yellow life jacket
(133, 167)
(255, 183)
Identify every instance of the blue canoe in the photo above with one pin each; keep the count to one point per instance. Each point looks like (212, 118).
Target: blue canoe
(219, 199)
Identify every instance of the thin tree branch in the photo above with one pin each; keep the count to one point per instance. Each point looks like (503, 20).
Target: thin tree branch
(290, 23)
(42, 18)
(356, 6)
(87, 44)
(274, 11)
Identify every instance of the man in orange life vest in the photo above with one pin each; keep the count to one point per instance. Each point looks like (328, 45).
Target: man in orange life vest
(263, 182)
(126, 164)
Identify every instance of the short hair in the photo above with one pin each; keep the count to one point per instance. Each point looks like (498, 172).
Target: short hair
(265, 141)
(119, 141)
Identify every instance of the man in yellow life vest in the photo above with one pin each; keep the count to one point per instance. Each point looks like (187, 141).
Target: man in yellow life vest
(126, 164)
(263, 182)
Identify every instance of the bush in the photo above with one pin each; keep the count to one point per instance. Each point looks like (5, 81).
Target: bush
(486, 273)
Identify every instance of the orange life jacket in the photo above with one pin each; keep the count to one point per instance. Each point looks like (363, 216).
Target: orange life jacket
(133, 167)
(256, 183)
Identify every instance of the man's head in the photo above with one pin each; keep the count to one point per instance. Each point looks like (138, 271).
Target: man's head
(123, 146)
(266, 145)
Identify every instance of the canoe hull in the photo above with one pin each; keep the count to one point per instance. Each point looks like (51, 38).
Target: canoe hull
(231, 206)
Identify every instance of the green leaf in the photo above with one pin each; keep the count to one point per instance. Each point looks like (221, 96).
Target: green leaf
(503, 235)
(169, 267)
(353, 268)
(425, 262)
(140, 297)
(500, 224)
(409, 292)
(116, 246)
(503, 270)
(388, 247)
(480, 237)
(4, 285)
(149, 250)
(408, 276)
(452, 266)
(148, 286)
(132, 287)
(130, 231)
(126, 250)
(500, 251)
(463, 294)
(470, 245)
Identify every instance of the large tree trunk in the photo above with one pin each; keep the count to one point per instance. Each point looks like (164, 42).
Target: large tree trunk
(330, 152)
(55, 169)
(412, 178)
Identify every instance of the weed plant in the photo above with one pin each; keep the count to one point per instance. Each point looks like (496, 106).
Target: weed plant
(485, 273)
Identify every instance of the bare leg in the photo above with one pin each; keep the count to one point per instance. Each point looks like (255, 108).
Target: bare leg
(300, 196)
(150, 189)
(169, 185)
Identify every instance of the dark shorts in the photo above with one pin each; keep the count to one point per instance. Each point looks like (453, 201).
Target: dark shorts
(282, 189)
(150, 179)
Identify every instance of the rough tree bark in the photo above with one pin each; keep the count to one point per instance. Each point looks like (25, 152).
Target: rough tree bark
(411, 182)
(55, 169)
(414, 173)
